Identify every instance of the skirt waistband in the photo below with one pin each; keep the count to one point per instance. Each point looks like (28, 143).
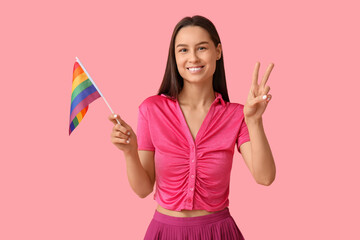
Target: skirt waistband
(189, 221)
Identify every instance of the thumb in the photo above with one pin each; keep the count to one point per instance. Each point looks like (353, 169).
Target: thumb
(258, 99)
(114, 118)
(122, 122)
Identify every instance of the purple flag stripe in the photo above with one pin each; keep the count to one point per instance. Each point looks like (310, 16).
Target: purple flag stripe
(89, 99)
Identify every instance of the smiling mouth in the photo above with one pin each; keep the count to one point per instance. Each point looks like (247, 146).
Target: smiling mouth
(195, 69)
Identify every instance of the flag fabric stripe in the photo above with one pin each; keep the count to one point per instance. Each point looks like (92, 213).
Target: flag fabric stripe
(81, 114)
(78, 80)
(81, 96)
(84, 103)
(77, 70)
(71, 128)
(79, 117)
(84, 111)
(87, 83)
(83, 93)
(76, 122)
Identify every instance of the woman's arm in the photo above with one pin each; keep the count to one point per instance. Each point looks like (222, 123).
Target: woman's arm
(140, 171)
(257, 154)
(140, 164)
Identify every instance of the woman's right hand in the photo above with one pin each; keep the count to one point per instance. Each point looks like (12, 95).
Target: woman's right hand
(122, 135)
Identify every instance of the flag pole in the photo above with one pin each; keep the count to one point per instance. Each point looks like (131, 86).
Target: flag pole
(102, 96)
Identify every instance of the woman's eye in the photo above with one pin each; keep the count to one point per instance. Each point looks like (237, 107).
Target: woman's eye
(183, 50)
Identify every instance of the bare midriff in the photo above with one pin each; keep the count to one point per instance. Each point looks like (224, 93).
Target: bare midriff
(183, 213)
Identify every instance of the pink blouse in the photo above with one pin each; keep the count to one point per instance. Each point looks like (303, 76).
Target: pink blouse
(191, 174)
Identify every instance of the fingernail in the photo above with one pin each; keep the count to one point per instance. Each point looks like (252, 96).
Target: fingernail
(127, 141)
(115, 116)
(264, 96)
(128, 133)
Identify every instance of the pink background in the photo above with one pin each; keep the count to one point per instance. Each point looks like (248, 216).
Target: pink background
(54, 186)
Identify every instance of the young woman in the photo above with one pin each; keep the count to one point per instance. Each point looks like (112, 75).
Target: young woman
(186, 136)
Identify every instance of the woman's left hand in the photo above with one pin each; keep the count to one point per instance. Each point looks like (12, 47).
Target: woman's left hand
(258, 97)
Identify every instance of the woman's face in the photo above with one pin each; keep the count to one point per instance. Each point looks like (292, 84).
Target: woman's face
(196, 54)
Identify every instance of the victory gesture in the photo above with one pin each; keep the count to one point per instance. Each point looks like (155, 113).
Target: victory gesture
(258, 97)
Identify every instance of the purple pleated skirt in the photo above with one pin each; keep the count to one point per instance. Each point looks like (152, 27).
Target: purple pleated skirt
(219, 225)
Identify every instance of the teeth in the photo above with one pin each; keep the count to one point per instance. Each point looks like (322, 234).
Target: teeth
(195, 69)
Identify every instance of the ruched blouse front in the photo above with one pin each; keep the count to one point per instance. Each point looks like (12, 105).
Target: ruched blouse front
(191, 174)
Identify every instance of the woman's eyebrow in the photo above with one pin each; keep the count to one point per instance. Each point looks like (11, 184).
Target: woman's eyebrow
(185, 45)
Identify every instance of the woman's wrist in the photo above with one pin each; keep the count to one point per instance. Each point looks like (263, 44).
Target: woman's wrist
(131, 153)
(253, 121)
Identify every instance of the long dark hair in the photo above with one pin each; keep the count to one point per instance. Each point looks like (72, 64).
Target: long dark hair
(173, 83)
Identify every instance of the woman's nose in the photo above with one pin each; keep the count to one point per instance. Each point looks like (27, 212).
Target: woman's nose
(193, 57)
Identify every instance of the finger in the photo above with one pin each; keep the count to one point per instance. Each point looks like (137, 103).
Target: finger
(256, 74)
(269, 96)
(122, 129)
(258, 99)
(121, 140)
(252, 93)
(266, 90)
(118, 134)
(267, 74)
(116, 120)
(113, 118)
(123, 123)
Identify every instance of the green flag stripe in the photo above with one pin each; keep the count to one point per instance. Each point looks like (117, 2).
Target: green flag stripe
(76, 122)
(82, 86)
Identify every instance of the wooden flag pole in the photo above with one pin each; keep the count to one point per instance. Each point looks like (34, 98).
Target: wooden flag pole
(102, 96)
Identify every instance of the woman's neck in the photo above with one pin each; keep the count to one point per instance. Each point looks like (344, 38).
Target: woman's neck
(196, 96)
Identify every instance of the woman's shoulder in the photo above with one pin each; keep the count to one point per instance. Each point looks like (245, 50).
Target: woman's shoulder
(235, 106)
(154, 100)
(234, 110)
(150, 99)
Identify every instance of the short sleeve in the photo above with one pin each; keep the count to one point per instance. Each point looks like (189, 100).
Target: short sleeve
(243, 135)
(143, 131)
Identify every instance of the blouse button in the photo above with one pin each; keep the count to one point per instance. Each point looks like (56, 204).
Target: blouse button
(189, 200)
(191, 189)
(192, 176)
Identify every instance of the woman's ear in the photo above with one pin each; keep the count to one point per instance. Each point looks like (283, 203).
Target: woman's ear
(218, 51)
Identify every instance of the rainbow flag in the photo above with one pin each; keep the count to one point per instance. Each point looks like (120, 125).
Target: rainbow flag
(83, 93)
